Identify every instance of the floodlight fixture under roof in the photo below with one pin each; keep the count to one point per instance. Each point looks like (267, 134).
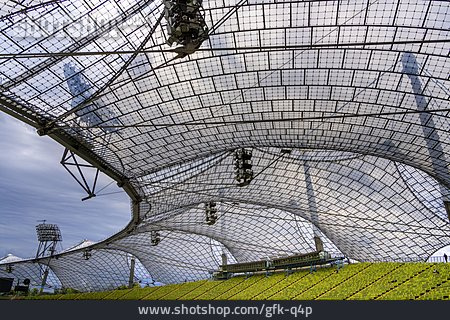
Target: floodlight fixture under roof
(243, 166)
(185, 25)
(211, 213)
(155, 238)
(87, 254)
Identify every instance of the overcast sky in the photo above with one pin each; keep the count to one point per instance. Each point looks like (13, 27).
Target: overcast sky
(35, 186)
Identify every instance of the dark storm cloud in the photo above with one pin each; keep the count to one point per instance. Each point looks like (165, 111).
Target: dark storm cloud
(34, 186)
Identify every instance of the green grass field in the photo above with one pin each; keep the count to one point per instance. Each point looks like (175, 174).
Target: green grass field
(361, 281)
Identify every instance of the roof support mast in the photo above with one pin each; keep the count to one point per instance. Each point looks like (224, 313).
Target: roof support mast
(432, 139)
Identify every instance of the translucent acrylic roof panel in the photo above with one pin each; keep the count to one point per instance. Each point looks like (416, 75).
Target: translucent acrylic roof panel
(179, 257)
(249, 232)
(358, 91)
(104, 270)
(367, 206)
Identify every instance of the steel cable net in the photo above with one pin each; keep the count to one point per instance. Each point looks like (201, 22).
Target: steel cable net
(18, 269)
(104, 270)
(357, 90)
(362, 203)
(181, 256)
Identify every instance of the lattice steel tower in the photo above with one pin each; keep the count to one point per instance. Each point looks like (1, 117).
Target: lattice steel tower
(48, 236)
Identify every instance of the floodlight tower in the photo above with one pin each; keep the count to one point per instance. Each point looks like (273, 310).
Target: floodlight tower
(48, 237)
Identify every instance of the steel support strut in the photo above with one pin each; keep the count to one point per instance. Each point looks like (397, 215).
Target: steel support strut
(68, 160)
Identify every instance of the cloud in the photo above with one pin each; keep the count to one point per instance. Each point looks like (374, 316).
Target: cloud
(34, 186)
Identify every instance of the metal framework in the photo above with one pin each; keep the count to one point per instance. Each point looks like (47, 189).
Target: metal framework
(68, 160)
(48, 236)
(344, 105)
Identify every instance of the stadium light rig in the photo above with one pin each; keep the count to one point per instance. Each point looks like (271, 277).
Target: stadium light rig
(243, 166)
(87, 254)
(185, 25)
(155, 238)
(9, 268)
(211, 213)
(48, 236)
(48, 232)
